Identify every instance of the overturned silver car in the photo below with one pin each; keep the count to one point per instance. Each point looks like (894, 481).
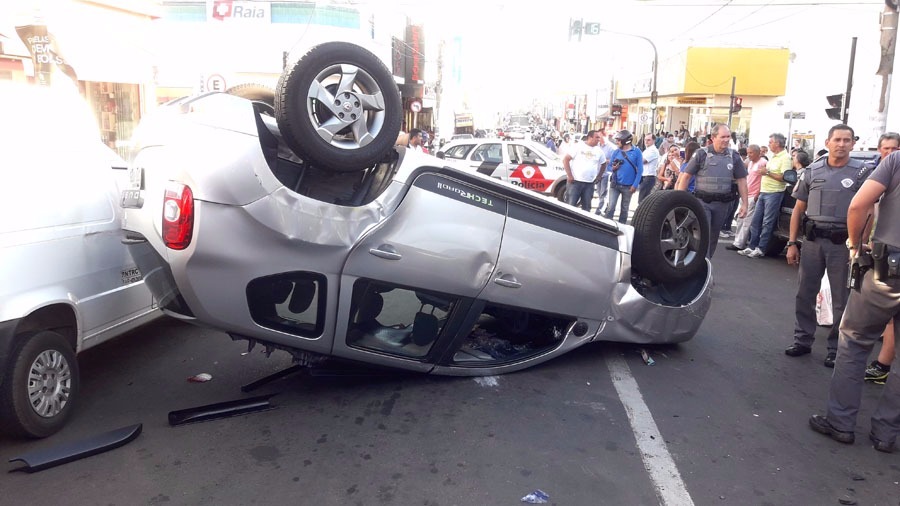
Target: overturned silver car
(293, 221)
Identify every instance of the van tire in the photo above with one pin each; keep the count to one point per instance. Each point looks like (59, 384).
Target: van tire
(671, 237)
(43, 349)
(356, 128)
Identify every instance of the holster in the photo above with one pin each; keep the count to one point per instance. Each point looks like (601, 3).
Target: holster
(886, 262)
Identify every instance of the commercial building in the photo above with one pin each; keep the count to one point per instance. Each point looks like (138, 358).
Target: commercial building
(695, 90)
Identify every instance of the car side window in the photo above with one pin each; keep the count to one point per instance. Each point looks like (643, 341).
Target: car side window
(531, 158)
(458, 152)
(514, 151)
(396, 320)
(491, 153)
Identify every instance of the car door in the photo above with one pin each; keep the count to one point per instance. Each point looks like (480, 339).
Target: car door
(554, 263)
(487, 159)
(528, 169)
(405, 282)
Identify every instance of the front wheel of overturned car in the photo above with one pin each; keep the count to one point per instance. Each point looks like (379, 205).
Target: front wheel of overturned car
(40, 387)
(339, 107)
(671, 237)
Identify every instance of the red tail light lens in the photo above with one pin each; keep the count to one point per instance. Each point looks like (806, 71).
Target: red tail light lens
(178, 216)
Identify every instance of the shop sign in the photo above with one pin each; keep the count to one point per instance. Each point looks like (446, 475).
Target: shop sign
(691, 100)
(238, 11)
(464, 120)
(415, 54)
(616, 111)
(44, 52)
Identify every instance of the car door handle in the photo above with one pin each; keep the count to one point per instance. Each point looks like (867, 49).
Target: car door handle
(386, 252)
(507, 280)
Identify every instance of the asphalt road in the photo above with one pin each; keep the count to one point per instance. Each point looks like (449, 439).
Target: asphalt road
(729, 407)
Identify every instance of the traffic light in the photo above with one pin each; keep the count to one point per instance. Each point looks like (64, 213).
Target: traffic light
(837, 106)
(736, 104)
(576, 28)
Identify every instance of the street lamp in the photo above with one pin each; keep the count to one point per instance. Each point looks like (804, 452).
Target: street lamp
(580, 26)
(653, 94)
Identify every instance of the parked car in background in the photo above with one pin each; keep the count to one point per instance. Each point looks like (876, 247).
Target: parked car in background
(68, 281)
(392, 258)
(522, 163)
(782, 232)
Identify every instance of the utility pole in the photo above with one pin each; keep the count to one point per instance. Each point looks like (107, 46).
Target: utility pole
(731, 101)
(846, 112)
(886, 65)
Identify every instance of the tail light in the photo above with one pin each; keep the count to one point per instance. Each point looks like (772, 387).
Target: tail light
(178, 216)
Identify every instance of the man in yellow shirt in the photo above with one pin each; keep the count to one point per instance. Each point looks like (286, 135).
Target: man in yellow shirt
(768, 205)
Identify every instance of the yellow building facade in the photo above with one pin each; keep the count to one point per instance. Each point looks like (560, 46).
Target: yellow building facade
(694, 90)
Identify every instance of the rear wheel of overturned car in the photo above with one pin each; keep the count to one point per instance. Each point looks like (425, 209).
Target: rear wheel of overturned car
(40, 387)
(339, 107)
(263, 97)
(671, 237)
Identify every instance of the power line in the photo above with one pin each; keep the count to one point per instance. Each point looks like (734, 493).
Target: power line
(701, 21)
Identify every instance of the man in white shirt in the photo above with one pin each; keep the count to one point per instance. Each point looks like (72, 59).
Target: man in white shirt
(651, 165)
(608, 146)
(415, 140)
(584, 162)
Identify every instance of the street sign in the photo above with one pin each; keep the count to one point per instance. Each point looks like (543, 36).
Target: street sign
(215, 82)
(592, 28)
(795, 115)
(645, 118)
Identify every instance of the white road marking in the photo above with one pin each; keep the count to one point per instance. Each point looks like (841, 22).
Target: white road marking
(670, 488)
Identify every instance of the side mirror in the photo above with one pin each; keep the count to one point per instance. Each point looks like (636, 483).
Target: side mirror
(790, 176)
(441, 155)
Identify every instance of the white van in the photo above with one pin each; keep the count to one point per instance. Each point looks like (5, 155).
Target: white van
(67, 282)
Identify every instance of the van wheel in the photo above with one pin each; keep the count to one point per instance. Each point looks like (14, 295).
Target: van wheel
(671, 237)
(40, 388)
(339, 107)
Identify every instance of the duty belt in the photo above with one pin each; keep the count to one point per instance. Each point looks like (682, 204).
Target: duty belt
(714, 197)
(837, 235)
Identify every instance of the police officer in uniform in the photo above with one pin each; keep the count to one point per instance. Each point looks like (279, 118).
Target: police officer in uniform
(823, 194)
(717, 168)
(868, 310)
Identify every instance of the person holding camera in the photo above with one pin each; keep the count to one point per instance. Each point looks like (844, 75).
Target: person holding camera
(823, 194)
(625, 163)
(669, 168)
(869, 309)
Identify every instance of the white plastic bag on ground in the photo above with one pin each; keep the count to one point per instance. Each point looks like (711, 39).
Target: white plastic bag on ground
(824, 316)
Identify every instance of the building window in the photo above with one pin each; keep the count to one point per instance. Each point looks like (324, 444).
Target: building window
(118, 110)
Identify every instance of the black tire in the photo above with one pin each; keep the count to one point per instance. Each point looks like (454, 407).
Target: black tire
(775, 247)
(671, 237)
(262, 97)
(560, 192)
(342, 130)
(55, 391)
